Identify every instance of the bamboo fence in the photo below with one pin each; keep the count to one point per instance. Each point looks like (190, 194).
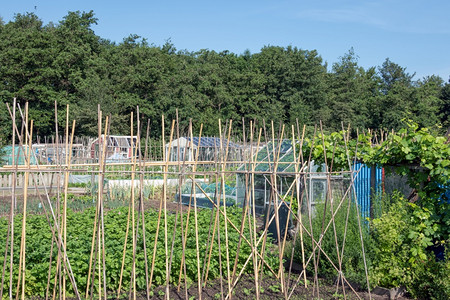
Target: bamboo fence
(216, 171)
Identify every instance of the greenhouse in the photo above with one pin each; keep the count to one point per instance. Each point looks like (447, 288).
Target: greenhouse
(118, 147)
(268, 157)
(208, 149)
(278, 159)
(20, 153)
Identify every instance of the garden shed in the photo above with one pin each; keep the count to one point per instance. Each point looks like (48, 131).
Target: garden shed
(118, 147)
(208, 148)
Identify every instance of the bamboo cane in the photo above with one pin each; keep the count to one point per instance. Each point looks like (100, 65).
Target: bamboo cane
(275, 201)
(13, 198)
(255, 257)
(299, 205)
(133, 172)
(359, 221)
(101, 226)
(25, 198)
(346, 223)
(99, 124)
(141, 195)
(316, 279)
(166, 170)
(223, 166)
(66, 185)
(49, 192)
(269, 163)
(21, 139)
(199, 279)
(180, 205)
(330, 200)
(255, 250)
(58, 209)
(21, 277)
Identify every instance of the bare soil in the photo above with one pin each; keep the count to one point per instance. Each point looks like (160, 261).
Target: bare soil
(269, 288)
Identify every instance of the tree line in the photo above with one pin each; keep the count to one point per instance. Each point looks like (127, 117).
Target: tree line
(68, 63)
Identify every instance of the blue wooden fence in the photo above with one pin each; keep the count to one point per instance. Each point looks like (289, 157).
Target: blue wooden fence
(363, 189)
(364, 193)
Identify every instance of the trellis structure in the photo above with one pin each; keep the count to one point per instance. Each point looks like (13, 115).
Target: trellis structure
(220, 226)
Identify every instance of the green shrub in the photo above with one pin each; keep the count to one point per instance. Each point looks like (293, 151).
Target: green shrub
(391, 267)
(402, 236)
(432, 280)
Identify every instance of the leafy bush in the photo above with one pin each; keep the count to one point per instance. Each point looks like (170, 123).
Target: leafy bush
(432, 280)
(403, 235)
(79, 236)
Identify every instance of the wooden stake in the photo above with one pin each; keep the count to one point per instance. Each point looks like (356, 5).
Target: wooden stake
(66, 181)
(199, 278)
(25, 198)
(222, 175)
(166, 170)
(13, 199)
(99, 124)
(101, 226)
(133, 172)
(141, 194)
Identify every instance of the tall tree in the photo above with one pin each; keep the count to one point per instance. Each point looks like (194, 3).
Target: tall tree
(397, 88)
(426, 102)
(352, 92)
(294, 86)
(444, 111)
(26, 55)
(392, 74)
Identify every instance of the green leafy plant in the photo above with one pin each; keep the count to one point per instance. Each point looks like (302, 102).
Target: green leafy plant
(79, 236)
(402, 236)
(275, 288)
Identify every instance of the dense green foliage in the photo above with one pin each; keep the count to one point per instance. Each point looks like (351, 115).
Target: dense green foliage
(69, 63)
(79, 237)
(402, 236)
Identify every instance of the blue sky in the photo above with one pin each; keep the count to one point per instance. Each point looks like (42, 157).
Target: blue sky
(414, 34)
